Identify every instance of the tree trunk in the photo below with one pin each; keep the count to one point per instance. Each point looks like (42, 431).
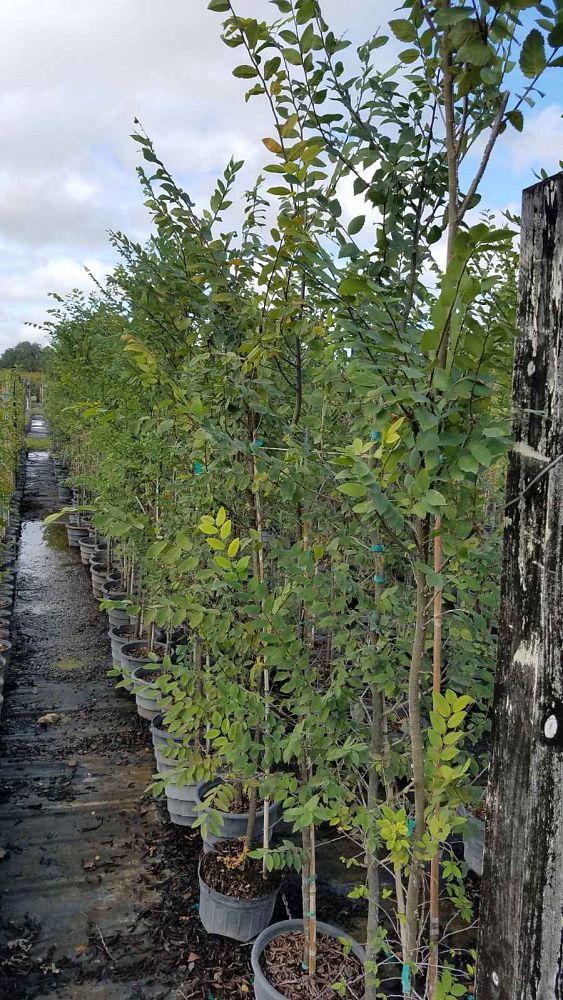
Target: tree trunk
(521, 942)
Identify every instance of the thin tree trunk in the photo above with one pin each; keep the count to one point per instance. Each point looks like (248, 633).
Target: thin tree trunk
(436, 685)
(417, 753)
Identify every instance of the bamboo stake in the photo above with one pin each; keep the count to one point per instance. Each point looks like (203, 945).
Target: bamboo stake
(436, 685)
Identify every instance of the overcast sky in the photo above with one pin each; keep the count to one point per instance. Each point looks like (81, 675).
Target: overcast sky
(73, 76)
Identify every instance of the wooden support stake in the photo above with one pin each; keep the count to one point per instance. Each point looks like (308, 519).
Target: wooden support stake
(521, 939)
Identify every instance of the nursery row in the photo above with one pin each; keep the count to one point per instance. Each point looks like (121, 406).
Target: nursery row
(245, 815)
(13, 415)
(286, 426)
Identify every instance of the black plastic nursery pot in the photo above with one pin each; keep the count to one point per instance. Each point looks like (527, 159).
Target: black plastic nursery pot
(263, 990)
(133, 656)
(5, 603)
(239, 919)
(234, 824)
(180, 799)
(147, 694)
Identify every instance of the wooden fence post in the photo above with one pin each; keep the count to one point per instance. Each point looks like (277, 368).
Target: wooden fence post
(521, 922)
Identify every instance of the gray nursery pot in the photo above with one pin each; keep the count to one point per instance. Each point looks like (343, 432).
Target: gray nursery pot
(263, 990)
(5, 651)
(131, 659)
(147, 694)
(117, 616)
(162, 741)
(239, 919)
(118, 640)
(86, 545)
(180, 799)
(98, 572)
(234, 824)
(74, 534)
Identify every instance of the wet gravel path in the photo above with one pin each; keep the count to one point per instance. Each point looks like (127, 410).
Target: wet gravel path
(73, 823)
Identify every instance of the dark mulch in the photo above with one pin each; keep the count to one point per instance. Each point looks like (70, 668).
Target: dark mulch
(229, 872)
(282, 964)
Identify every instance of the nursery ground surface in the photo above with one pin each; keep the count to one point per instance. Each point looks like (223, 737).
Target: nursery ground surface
(98, 891)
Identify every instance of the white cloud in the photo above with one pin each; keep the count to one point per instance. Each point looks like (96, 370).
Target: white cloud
(539, 145)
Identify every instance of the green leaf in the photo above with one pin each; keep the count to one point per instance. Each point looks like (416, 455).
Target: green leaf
(245, 72)
(353, 285)
(356, 224)
(480, 452)
(233, 548)
(214, 543)
(532, 54)
(555, 37)
(405, 31)
(353, 489)
(408, 56)
(476, 53)
(219, 6)
(516, 118)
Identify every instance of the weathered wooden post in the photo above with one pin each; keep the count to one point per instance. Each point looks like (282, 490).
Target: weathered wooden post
(521, 926)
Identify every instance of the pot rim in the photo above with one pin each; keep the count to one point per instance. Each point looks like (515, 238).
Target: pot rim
(288, 927)
(225, 781)
(155, 728)
(255, 902)
(142, 642)
(151, 667)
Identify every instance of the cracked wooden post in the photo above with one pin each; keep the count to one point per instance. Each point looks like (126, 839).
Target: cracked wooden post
(521, 923)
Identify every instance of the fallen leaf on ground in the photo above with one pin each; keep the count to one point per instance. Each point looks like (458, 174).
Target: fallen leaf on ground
(49, 718)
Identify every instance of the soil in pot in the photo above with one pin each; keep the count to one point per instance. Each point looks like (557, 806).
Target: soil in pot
(235, 901)
(281, 964)
(227, 871)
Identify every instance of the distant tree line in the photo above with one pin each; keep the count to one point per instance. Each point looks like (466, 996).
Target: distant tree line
(27, 356)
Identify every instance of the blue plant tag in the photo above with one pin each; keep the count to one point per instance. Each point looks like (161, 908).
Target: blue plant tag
(406, 978)
(198, 468)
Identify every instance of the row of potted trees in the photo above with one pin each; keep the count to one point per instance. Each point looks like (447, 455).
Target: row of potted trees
(14, 406)
(292, 432)
(204, 784)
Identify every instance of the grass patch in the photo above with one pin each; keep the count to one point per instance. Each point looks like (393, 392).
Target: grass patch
(70, 664)
(37, 443)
